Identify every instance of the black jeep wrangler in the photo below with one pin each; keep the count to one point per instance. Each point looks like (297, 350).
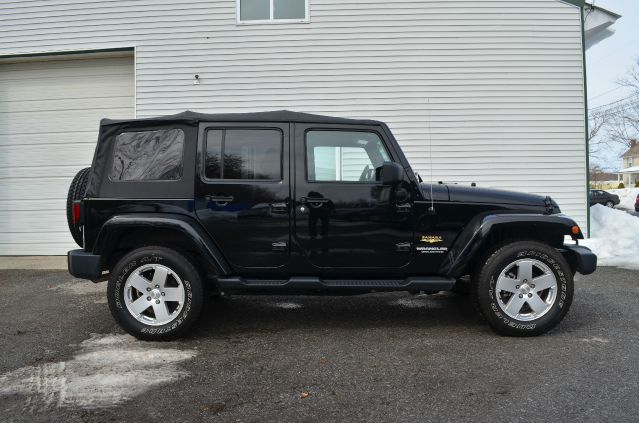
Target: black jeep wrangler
(178, 208)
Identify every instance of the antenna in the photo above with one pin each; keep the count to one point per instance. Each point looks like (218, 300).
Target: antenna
(431, 209)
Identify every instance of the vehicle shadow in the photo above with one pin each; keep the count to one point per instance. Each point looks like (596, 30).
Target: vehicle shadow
(237, 314)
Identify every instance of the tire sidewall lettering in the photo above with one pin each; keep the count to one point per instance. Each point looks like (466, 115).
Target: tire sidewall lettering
(122, 276)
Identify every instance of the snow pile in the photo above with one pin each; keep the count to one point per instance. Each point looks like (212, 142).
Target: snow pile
(615, 237)
(108, 370)
(627, 196)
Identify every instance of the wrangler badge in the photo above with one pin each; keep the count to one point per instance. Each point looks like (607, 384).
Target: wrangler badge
(431, 239)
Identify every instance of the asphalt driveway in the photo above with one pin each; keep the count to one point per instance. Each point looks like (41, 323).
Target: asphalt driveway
(384, 357)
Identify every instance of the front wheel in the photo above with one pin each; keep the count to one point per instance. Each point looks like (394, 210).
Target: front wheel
(610, 204)
(524, 288)
(155, 293)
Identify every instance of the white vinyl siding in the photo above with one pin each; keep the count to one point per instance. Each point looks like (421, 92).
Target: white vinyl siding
(340, 163)
(49, 115)
(497, 86)
(353, 162)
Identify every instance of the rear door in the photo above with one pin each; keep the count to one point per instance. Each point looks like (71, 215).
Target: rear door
(243, 191)
(344, 217)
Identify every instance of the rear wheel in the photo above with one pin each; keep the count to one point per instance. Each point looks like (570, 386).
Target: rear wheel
(76, 192)
(524, 288)
(155, 293)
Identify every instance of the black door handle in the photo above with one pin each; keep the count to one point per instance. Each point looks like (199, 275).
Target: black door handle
(220, 200)
(280, 208)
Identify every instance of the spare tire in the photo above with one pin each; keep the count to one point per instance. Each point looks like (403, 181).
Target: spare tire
(76, 192)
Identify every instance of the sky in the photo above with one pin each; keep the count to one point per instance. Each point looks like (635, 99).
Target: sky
(609, 60)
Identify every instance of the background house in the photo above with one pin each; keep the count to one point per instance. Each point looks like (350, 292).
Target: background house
(629, 172)
(497, 86)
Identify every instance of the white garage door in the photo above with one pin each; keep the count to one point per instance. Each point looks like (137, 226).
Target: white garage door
(49, 118)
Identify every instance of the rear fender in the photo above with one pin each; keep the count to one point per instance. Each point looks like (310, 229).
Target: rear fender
(119, 225)
(483, 231)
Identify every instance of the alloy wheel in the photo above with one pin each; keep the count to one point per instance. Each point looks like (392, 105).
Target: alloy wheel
(154, 294)
(526, 289)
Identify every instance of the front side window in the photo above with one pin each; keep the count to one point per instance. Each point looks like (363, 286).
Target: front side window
(247, 154)
(148, 156)
(337, 156)
(272, 10)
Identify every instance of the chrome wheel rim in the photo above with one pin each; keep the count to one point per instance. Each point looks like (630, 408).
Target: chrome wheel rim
(526, 289)
(154, 294)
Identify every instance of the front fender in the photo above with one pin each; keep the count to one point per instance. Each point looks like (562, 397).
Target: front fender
(186, 225)
(473, 239)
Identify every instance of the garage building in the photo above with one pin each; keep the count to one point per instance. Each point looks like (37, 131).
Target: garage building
(491, 92)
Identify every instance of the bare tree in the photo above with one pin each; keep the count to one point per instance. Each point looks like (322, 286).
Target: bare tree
(632, 78)
(613, 126)
(623, 123)
(595, 175)
(598, 143)
(600, 177)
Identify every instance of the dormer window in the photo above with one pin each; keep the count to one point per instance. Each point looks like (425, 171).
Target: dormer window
(272, 11)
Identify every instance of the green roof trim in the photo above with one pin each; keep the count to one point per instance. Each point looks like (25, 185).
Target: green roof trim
(583, 52)
(579, 3)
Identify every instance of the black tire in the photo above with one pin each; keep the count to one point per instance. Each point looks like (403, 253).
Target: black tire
(490, 306)
(177, 263)
(610, 204)
(76, 192)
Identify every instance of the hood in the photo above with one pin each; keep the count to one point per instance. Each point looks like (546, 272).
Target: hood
(468, 194)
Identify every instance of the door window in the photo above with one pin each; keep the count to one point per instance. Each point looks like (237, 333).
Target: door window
(244, 154)
(344, 156)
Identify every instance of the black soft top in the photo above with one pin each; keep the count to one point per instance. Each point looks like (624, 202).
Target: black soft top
(190, 117)
(99, 184)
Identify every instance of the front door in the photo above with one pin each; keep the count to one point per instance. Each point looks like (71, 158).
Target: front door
(243, 193)
(344, 217)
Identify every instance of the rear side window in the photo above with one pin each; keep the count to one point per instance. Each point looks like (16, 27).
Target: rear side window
(245, 154)
(148, 156)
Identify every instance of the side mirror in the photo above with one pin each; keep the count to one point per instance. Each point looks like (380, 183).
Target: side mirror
(391, 173)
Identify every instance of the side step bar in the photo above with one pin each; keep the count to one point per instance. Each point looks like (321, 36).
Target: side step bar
(311, 283)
